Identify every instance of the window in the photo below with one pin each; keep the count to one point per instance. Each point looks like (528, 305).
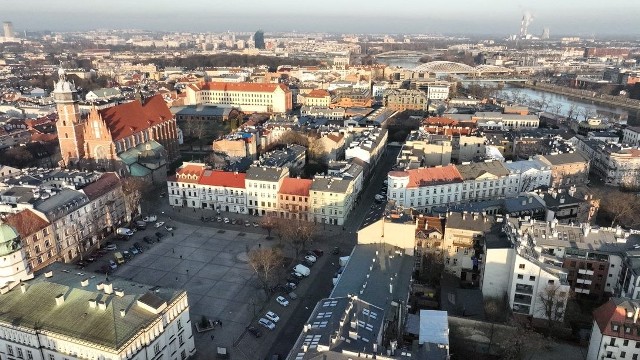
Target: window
(532, 278)
(156, 348)
(20, 355)
(180, 340)
(183, 355)
(623, 354)
(52, 357)
(521, 266)
(520, 276)
(9, 350)
(551, 282)
(625, 343)
(29, 355)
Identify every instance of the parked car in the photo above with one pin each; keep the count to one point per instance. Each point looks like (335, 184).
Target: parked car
(219, 219)
(254, 331)
(81, 264)
(124, 232)
(134, 250)
(90, 259)
(159, 224)
(310, 258)
(318, 252)
(138, 246)
(111, 247)
(247, 223)
(297, 275)
(282, 301)
(148, 240)
(127, 255)
(290, 286)
(255, 224)
(226, 220)
(169, 228)
(293, 280)
(267, 323)
(307, 263)
(113, 265)
(272, 316)
(150, 218)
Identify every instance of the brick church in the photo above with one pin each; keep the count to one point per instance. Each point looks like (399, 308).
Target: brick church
(138, 138)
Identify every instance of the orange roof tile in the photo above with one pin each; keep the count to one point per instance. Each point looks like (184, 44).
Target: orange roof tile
(26, 222)
(222, 178)
(244, 86)
(614, 312)
(127, 119)
(190, 173)
(104, 184)
(318, 93)
(295, 186)
(430, 176)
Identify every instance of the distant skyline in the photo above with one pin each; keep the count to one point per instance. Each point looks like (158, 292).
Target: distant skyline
(497, 17)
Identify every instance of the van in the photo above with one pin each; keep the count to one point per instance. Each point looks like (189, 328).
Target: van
(119, 258)
(302, 270)
(124, 231)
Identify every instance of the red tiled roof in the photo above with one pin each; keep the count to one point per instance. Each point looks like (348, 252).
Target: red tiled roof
(614, 311)
(104, 184)
(244, 86)
(189, 173)
(440, 121)
(26, 222)
(295, 186)
(430, 176)
(318, 93)
(223, 178)
(127, 119)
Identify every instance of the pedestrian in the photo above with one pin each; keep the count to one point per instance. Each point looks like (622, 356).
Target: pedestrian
(172, 234)
(187, 271)
(212, 337)
(174, 250)
(220, 323)
(180, 257)
(176, 278)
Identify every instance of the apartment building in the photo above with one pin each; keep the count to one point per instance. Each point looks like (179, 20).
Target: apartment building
(317, 98)
(463, 241)
(413, 101)
(262, 186)
(63, 315)
(368, 145)
(332, 199)
(531, 276)
(424, 150)
(615, 164)
(500, 121)
(245, 96)
(631, 136)
(467, 148)
(614, 333)
(351, 97)
(425, 188)
(294, 199)
(223, 191)
(567, 169)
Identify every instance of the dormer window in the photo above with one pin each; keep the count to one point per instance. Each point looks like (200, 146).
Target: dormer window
(615, 327)
(627, 329)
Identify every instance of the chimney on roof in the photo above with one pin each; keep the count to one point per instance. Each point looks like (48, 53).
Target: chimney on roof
(102, 305)
(84, 282)
(122, 313)
(48, 274)
(60, 299)
(108, 288)
(23, 287)
(92, 303)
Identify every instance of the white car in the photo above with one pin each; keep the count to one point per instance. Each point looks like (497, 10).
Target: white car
(150, 218)
(272, 316)
(112, 247)
(267, 323)
(159, 224)
(310, 258)
(226, 220)
(282, 301)
(169, 228)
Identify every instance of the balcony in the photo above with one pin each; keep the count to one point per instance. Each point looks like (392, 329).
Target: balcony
(522, 299)
(524, 289)
(521, 309)
(585, 272)
(583, 281)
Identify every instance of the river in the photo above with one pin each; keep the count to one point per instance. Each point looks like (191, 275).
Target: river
(563, 105)
(560, 104)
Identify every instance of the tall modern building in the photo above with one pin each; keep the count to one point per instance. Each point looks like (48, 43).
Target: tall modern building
(8, 30)
(258, 38)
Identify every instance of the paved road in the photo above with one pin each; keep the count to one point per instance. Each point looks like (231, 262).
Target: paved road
(322, 284)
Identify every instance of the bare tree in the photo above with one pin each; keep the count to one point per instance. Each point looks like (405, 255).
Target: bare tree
(296, 233)
(572, 111)
(521, 343)
(268, 223)
(133, 188)
(620, 207)
(266, 262)
(552, 301)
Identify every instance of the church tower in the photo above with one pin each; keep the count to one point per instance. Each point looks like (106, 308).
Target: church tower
(69, 124)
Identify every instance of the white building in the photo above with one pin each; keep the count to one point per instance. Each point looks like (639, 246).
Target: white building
(262, 186)
(530, 174)
(66, 316)
(437, 91)
(368, 146)
(631, 136)
(532, 277)
(332, 199)
(614, 334)
(247, 97)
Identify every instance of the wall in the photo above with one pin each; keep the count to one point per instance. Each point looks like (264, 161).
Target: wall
(496, 276)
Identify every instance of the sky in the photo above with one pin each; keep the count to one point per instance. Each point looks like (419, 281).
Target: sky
(496, 17)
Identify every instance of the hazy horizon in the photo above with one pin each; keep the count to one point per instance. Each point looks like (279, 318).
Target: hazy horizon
(497, 17)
